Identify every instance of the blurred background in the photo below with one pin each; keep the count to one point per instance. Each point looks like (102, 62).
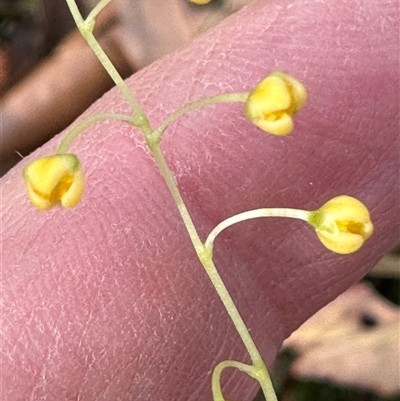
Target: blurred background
(347, 351)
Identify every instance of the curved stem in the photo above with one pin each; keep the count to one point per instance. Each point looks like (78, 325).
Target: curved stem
(221, 98)
(260, 374)
(216, 376)
(254, 214)
(66, 142)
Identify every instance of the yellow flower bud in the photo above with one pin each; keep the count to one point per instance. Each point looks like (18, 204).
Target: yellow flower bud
(200, 1)
(343, 224)
(271, 105)
(54, 180)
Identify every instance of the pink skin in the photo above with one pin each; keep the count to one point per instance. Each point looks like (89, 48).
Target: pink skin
(108, 302)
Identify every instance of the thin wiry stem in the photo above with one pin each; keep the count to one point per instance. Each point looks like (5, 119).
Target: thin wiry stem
(86, 29)
(255, 214)
(221, 98)
(66, 142)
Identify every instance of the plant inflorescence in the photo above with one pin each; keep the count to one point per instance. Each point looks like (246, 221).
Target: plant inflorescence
(342, 224)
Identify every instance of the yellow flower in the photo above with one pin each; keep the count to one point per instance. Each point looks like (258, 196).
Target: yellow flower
(343, 224)
(271, 105)
(200, 1)
(54, 180)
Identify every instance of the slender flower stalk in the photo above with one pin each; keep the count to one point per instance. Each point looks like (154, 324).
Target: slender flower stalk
(188, 107)
(254, 214)
(77, 130)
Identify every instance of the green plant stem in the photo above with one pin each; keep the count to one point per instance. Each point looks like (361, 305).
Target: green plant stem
(66, 142)
(221, 98)
(259, 370)
(86, 29)
(139, 119)
(171, 184)
(216, 376)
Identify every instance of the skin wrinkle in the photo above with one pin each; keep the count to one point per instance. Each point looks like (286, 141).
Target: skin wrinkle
(143, 289)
